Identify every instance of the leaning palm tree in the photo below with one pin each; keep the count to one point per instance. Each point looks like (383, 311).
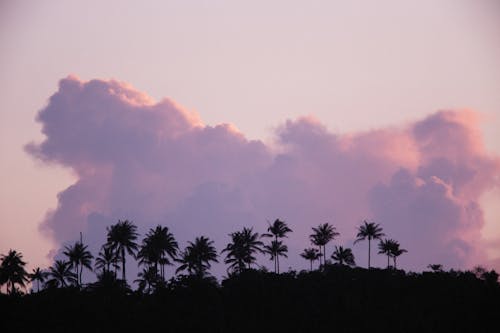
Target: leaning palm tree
(343, 256)
(240, 252)
(13, 271)
(396, 251)
(321, 236)
(197, 256)
(278, 229)
(61, 275)
(275, 250)
(369, 230)
(121, 238)
(38, 275)
(385, 247)
(79, 257)
(311, 254)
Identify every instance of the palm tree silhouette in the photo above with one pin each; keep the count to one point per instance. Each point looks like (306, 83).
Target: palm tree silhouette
(13, 271)
(278, 229)
(79, 257)
(148, 279)
(240, 252)
(197, 256)
(276, 249)
(436, 268)
(121, 238)
(321, 236)
(38, 275)
(396, 252)
(106, 259)
(311, 254)
(158, 245)
(385, 248)
(369, 230)
(61, 275)
(343, 256)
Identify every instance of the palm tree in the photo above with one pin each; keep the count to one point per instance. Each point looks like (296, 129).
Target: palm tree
(147, 279)
(121, 238)
(322, 235)
(106, 259)
(61, 275)
(240, 252)
(311, 254)
(13, 271)
(158, 245)
(39, 276)
(396, 252)
(79, 257)
(276, 249)
(278, 229)
(369, 230)
(343, 256)
(197, 256)
(385, 248)
(436, 268)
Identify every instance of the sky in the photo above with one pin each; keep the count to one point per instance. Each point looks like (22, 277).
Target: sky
(210, 115)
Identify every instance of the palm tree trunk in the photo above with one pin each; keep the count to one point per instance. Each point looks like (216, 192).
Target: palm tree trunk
(387, 261)
(123, 264)
(369, 252)
(395, 266)
(278, 262)
(311, 262)
(81, 270)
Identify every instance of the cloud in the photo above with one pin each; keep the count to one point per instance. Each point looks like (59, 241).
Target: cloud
(158, 163)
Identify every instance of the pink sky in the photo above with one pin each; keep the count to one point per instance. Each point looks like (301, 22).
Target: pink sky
(369, 77)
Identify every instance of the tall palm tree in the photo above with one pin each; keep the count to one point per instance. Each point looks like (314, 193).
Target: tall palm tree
(121, 238)
(61, 275)
(106, 259)
(197, 256)
(240, 252)
(13, 271)
(311, 254)
(276, 249)
(38, 275)
(343, 256)
(321, 236)
(79, 257)
(384, 247)
(278, 229)
(158, 245)
(369, 230)
(396, 251)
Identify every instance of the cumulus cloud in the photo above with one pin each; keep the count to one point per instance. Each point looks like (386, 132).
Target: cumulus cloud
(155, 162)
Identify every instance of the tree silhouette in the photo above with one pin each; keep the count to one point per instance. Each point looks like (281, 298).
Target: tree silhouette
(384, 247)
(278, 229)
(197, 256)
(275, 250)
(148, 279)
(39, 276)
(121, 238)
(436, 268)
(321, 236)
(60, 275)
(343, 256)
(106, 259)
(157, 247)
(240, 252)
(79, 257)
(13, 271)
(396, 252)
(311, 254)
(369, 230)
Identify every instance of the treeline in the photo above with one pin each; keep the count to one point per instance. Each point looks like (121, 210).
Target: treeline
(159, 249)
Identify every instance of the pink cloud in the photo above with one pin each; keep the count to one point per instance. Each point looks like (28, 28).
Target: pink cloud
(158, 163)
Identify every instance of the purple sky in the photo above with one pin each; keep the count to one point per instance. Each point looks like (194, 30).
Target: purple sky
(326, 112)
